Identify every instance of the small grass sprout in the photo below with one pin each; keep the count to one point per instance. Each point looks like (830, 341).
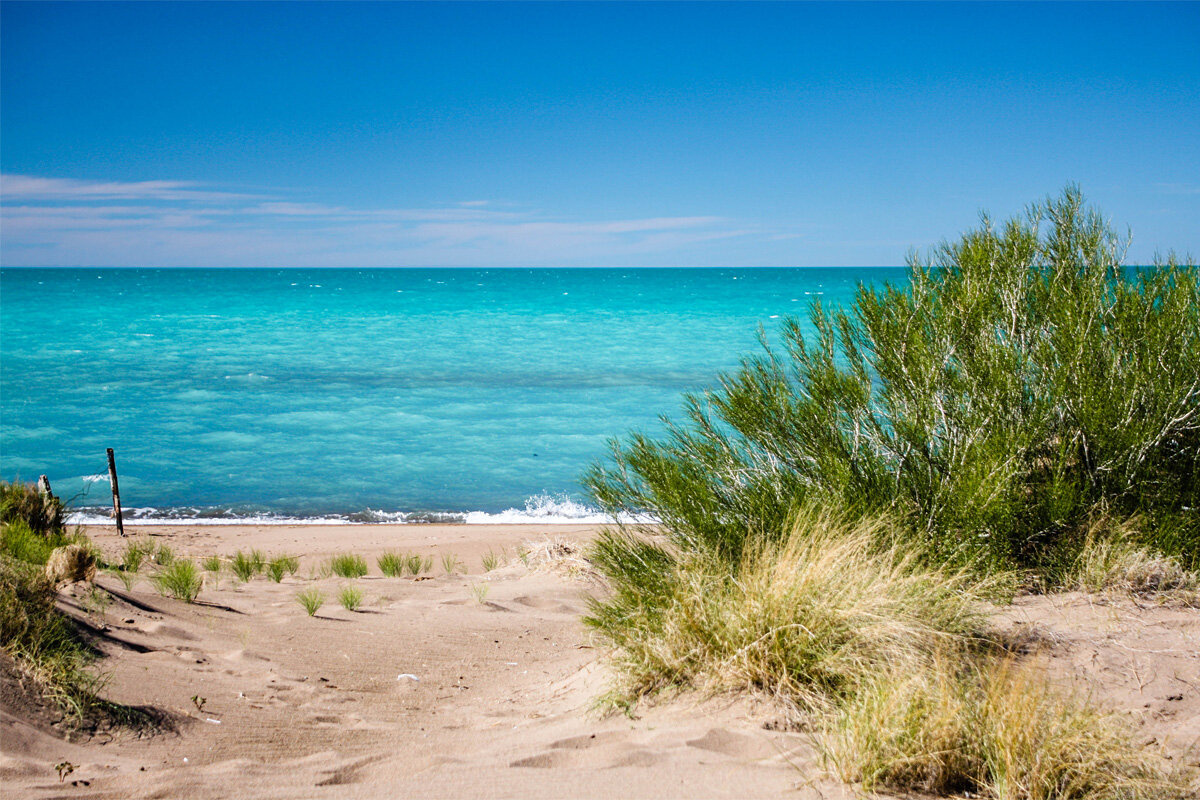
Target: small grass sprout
(277, 566)
(450, 563)
(491, 559)
(348, 565)
(127, 579)
(259, 560)
(180, 580)
(350, 597)
(135, 553)
(163, 555)
(312, 599)
(242, 566)
(480, 592)
(211, 563)
(416, 565)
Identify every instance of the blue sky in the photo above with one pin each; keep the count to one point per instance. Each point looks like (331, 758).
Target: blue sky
(588, 134)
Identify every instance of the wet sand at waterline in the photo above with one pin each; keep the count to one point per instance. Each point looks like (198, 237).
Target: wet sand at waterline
(473, 684)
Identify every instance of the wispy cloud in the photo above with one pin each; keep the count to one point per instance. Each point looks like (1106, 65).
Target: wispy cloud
(65, 221)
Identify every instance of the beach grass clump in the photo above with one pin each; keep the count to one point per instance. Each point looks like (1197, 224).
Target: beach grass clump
(1023, 382)
(44, 514)
(996, 730)
(244, 566)
(311, 598)
(451, 563)
(491, 559)
(212, 564)
(42, 641)
(279, 565)
(1113, 561)
(127, 579)
(347, 565)
(163, 555)
(22, 542)
(807, 620)
(181, 580)
(135, 553)
(350, 597)
(391, 564)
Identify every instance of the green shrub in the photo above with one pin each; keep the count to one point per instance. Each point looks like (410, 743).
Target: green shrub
(23, 502)
(42, 640)
(163, 555)
(348, 565)
(180, 580)
(24, 544)
(1023, 382)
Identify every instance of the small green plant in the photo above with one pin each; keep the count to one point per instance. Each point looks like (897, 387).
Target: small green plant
(491, 559)
(427, 564)
(480, 592)
(415, 564)
(350, 597)
(523, 554)
(312, 599)
(277, 566)
(450, 563)
(348, 565)
(96, 602)
(64, 768)
(211, 564)
(127, 579)
(199, 702)
(180, 580)
(163, 555)
(259, 561)
(135, 553)
(391, 564)
(243, 566)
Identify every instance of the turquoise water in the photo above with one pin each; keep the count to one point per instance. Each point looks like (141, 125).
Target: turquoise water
(363, 394)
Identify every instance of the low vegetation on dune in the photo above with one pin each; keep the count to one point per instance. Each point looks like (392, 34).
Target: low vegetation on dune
(43, 643)
(1024, 414)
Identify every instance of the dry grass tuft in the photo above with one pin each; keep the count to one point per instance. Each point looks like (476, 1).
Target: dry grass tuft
(995, 731)
(1114, 564)
(560, 556)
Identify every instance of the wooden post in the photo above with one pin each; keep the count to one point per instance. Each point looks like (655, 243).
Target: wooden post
(44, 487)
(112, 478)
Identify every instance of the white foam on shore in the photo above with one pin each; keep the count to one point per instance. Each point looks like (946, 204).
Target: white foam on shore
(541, 509)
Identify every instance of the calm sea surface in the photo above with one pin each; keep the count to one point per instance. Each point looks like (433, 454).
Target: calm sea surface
(363, 394)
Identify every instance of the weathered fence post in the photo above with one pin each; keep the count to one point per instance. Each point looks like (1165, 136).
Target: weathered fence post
(112, 478)
(44, 487)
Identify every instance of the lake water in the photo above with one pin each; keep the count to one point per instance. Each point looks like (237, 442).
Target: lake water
(401, 394)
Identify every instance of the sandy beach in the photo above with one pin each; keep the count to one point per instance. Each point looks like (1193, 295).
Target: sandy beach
(431, 689)
(438, 687)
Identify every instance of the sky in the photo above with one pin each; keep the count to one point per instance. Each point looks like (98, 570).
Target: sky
(584, 134)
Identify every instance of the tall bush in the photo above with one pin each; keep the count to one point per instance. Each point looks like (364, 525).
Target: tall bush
(1023, 381)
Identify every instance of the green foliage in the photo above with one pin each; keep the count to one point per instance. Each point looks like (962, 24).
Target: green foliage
(391, 564)
(211, 564)
(450, 563)
(491, 559)
(1023, 383)
(181, 580)
(243, 566)
(348, 565)
(163, 555)
(312, 599)
(277, 566)
(42, 640)
(135, 553)
(23, 502)
(24, 544)
(350, 597)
